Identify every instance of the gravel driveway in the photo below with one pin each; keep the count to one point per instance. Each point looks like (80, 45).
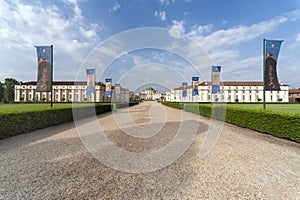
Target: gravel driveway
(53, 163)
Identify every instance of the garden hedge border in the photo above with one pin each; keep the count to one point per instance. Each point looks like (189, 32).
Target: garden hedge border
(23, 122)
(283, 125)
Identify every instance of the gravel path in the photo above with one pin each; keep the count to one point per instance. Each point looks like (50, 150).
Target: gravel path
(53, 163)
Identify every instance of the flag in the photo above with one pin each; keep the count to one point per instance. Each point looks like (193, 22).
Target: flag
(44, 58)
(118, 90)
(108, 82)
(195, 83)
(271, 49)
(215, 79)
(90, 89)
(184, 89)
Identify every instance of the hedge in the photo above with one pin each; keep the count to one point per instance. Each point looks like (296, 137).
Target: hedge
(22, 122)
(284, 125)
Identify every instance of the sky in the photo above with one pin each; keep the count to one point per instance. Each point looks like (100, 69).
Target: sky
(141, 43)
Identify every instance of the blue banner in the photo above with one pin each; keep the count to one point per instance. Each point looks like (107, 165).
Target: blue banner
(184, 89)
(271, 48)
(108, 82)
(44, 57)
(118, 90)
(90, 73)
(215, 79)
(195, 83)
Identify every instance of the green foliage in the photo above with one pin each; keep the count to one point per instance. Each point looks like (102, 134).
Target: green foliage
(279, 124)
(172, 104)
(1, 92)
(13, 123)
(9, 89)
(284, 125)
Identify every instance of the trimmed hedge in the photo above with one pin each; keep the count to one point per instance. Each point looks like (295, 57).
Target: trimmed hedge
(173, 104)
(22, 122)
(284, 125)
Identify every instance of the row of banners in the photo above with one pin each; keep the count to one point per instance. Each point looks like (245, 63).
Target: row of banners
(195, 82)
(45, 70)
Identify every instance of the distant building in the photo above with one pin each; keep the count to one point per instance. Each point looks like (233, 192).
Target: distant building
(68, 91)
(150, 94)
(248, 92)
(294, 95)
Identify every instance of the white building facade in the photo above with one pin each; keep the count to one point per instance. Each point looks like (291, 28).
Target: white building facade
(67, 91)
(248, 92)
(150, 94)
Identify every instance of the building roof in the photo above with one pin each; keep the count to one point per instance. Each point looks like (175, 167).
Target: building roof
(62, 83)
(181, 88)
(294, 91)
(230, 83)
(238, 83)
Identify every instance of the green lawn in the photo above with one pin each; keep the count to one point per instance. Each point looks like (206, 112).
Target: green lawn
(287, 108)
(20, 107)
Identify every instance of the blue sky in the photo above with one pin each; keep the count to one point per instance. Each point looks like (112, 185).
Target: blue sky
(230, 32)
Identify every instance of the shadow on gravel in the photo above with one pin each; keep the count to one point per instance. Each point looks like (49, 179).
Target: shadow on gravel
(60, 167)
(26, 138)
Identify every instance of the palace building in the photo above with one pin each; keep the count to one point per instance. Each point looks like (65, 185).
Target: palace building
(294, 95)
(150, 94)
(248, 92)
(68, 91)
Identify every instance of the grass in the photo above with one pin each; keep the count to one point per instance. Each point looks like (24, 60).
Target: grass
(283, 108)
(291, 108)
(21, 107)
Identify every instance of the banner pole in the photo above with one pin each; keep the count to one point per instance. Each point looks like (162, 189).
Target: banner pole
(264, 69)
(51, 100)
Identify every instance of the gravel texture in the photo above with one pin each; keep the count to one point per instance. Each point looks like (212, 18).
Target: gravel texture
(53, 163)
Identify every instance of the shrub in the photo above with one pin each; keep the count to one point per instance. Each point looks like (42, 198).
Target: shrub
(23, 122)
(173, 104)
(282, 125)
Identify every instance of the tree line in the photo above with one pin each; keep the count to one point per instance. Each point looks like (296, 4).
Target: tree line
(7, 90)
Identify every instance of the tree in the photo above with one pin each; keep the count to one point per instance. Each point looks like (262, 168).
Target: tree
(1, 91)
(9, 89)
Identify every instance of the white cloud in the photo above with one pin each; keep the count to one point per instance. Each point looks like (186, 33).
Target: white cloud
(161, 14)
(23, 25)
(115, 7)
(166, 2)
(224, 45)
(200, 30)
(177, 28)
(236, 35)
(293, 45)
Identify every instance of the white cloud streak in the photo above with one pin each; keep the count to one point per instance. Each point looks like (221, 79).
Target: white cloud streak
(161, 14)
(115, 7)
(23, 25)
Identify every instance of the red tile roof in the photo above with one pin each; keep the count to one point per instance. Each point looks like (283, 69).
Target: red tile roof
(62, 83)
(237, 83)
(294, 91)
